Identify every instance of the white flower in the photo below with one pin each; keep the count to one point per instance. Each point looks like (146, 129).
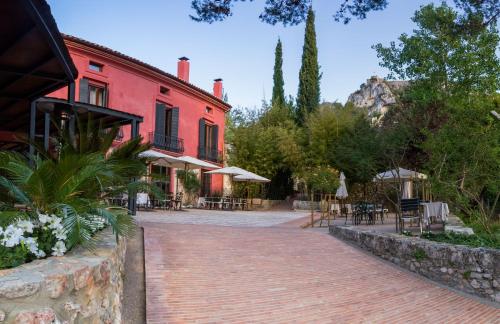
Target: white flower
(25, 225)
(44, 218)
(32, 245)
(12, 236)
(1, 230)
(60, 234)
(56, 223)
(59, 248)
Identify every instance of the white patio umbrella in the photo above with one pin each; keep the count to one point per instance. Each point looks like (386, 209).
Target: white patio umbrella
(399, 173)
(191, 163)
(251, 177)
(342, 189)
(234, 172)
(159, 158)
(406, 176)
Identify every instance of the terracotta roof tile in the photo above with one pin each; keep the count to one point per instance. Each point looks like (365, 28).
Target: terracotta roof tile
(146, 65)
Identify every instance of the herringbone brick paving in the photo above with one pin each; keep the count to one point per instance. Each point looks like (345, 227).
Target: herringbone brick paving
(281, 274)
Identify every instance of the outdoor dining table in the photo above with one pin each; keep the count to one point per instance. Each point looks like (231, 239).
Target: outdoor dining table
(437, 209)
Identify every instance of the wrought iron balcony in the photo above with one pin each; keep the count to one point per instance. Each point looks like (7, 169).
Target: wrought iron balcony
(168, 143)
(210, 154)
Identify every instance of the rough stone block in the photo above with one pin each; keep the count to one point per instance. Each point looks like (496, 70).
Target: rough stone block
(82, 277)
(17, 288)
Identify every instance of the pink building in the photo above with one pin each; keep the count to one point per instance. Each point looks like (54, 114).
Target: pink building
(179, 117)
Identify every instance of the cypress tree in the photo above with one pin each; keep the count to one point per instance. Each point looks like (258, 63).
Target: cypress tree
(309, 92)
(278, 98)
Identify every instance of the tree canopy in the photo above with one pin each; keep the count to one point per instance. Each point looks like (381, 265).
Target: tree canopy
(475, 13)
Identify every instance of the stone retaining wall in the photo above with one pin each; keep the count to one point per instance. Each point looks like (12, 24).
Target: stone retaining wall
(81, 286)
(305, 205)
(472, 270)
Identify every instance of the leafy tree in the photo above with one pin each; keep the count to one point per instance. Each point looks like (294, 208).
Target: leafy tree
(278, 98)
(464, 161)
(444, 114)
(266, 143)
(476, 13)
(309, 77)
(321, 179)
(357, 151)
(444, 63)
(324, 128)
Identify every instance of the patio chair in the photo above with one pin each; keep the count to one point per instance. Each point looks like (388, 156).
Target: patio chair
(380, 212)
(202, 202)
(410, 211)
(369, 213)
(177, 203)
(216, 203)
(227, 203)
(239, 203)
(357, 213)
(346, 211)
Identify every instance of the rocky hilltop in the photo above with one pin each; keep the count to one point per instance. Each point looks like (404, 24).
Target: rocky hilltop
(376, 95)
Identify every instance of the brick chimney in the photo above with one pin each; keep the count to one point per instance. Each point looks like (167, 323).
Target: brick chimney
(183, 68)
(218, 88)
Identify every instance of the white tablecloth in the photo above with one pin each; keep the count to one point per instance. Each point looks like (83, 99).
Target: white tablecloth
(335, 208)
(437, 209)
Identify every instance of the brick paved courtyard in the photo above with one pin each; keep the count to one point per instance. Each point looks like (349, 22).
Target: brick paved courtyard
(250, 271)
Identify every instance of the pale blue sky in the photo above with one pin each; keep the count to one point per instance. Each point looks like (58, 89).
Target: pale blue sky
(241, 49)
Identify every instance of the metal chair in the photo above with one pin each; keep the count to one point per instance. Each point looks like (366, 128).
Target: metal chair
(410, 211)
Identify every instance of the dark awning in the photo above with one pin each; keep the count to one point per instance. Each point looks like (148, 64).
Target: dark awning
(33, 58)
(12, 132)
(108, 116)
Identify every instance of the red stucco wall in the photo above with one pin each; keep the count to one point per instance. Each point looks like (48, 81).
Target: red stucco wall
(135, 90)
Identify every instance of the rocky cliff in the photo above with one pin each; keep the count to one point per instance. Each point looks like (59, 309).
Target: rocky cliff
(376, 95)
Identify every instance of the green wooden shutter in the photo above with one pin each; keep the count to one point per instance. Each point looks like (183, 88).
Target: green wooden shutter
(201, 141)
(215, 138)
(159, 136)
(174, 128)
(84, 90)
(174, 123)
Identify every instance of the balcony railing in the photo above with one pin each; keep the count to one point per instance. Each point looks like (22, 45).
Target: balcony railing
(168, 143)
(210, 154)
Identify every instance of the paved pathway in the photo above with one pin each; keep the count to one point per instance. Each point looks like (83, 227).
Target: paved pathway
(281, 274)
(217, 217)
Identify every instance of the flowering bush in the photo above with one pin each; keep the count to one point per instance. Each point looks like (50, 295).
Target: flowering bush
(25, 239)
(59, 199)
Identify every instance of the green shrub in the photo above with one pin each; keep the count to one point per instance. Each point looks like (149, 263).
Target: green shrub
(475, 240)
